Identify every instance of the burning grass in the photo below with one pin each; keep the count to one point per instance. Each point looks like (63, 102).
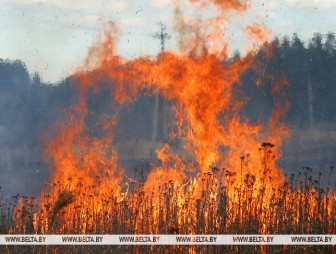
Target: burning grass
(230, 203)
(88, 193)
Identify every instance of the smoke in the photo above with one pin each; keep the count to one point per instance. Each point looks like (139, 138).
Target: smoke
(185, 30)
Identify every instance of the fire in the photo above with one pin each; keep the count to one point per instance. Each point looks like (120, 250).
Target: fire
(229, 164)
(259, 33)
(226, 4)
(206, 110)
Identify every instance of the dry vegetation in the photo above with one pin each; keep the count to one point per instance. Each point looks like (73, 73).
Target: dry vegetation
(230, 203)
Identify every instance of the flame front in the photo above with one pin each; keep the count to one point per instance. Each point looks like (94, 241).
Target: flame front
(228, 166)
(200, 85)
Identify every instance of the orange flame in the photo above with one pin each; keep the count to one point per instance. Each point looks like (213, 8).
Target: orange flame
(258, 33)
(225, 5)
(201, 85)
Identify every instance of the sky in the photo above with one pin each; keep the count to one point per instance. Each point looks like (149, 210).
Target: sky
(52, 37)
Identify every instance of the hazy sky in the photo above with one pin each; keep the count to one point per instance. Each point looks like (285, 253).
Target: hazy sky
(53, 36)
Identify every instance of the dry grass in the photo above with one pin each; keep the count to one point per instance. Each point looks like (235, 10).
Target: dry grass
(299, 206)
